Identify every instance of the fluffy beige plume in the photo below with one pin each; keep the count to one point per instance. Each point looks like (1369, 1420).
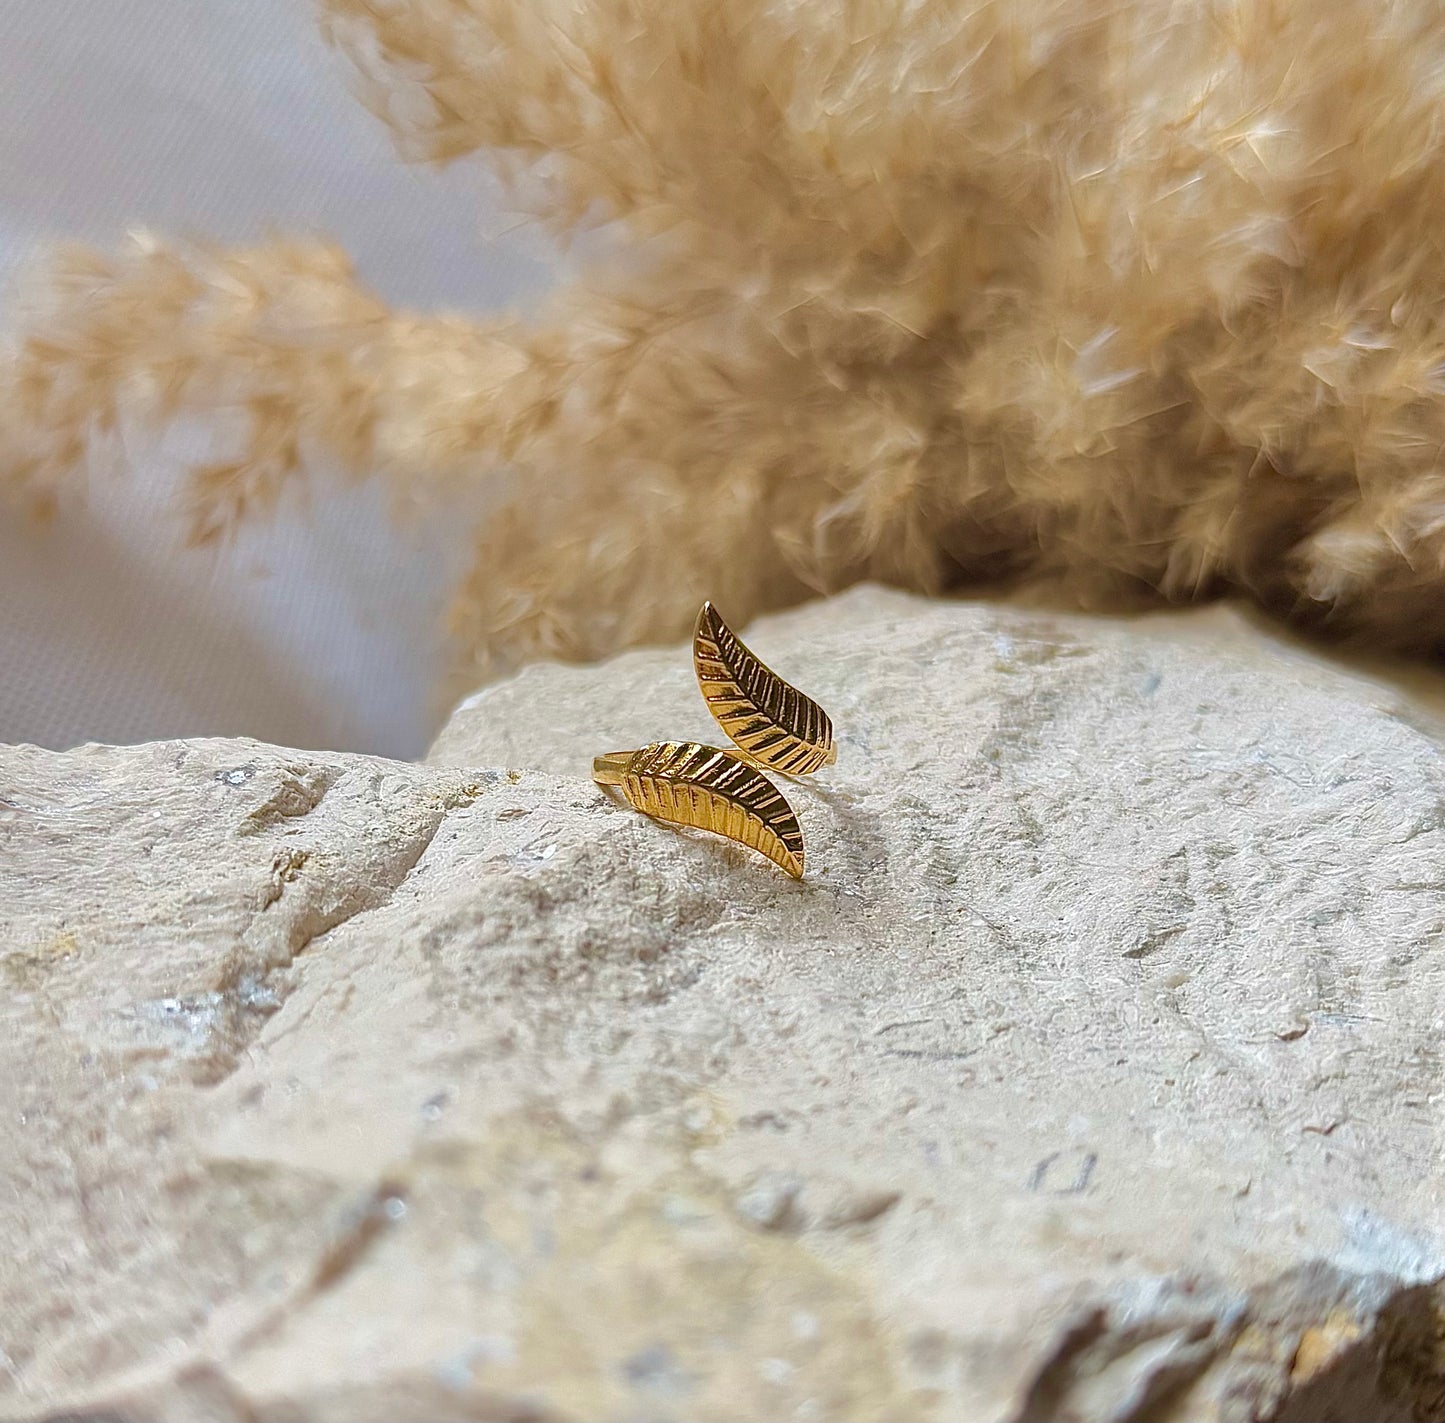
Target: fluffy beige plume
(1135, 295)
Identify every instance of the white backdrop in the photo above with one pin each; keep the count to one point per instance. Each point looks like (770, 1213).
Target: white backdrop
(226, 119)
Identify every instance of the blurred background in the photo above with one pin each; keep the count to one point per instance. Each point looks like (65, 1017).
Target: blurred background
(239, 126)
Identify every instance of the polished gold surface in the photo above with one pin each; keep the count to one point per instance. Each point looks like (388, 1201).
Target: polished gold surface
(609, 770)
(686, 783)
(770, 721)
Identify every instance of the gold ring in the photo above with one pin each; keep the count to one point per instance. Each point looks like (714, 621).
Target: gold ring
(772, 724)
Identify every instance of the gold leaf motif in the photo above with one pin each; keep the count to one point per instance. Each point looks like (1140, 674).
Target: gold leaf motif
(771, 721)
(687, 783)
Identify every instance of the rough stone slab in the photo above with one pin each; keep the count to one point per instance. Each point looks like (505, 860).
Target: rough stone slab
(1092, 1072)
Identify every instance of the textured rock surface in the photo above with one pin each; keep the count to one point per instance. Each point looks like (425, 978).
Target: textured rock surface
(1093, 1071)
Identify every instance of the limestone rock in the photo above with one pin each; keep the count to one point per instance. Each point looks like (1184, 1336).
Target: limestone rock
(1093, 1072)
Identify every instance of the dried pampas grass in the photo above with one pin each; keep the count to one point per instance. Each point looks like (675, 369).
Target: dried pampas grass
(1126, 294)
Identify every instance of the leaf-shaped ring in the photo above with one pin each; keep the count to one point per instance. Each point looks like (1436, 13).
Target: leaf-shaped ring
(769, 720)
(686, 783)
